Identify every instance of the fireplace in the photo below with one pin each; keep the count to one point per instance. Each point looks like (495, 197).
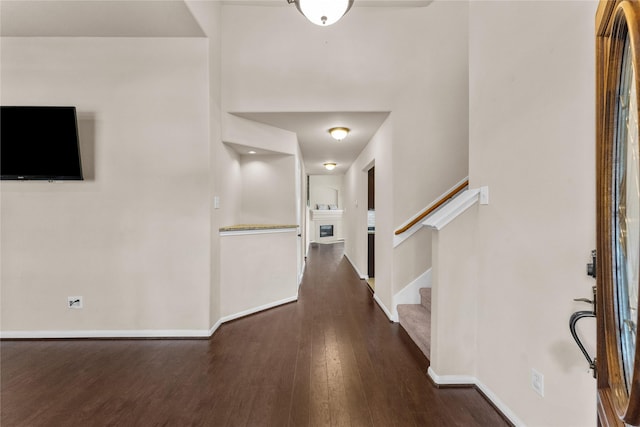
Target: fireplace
(326, 231)
(326, 225)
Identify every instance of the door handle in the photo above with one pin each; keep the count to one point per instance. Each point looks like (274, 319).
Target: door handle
(573, 320)
(575, 317)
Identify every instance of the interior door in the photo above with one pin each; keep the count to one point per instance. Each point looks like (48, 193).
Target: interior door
(618, 212)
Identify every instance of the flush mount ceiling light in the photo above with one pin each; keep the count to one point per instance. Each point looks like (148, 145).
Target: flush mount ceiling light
(330, 166)
(323, 12)
(339, 133)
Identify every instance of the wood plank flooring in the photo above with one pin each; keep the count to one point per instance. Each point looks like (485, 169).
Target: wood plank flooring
(330, 359)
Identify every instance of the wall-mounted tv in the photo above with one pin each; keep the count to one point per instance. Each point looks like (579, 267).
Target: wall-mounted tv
(39, 143)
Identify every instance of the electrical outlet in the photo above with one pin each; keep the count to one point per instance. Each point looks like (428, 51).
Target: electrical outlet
(537, 382)
(74, 302)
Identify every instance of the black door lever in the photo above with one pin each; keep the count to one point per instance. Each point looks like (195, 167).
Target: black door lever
(572, 327)
(573, 320)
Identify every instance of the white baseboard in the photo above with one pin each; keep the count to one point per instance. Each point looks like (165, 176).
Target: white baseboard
(360, 275)
(143, 333)
(125, 333)
(451, 379)
(257, 309)
(383, 307)
(215, 327)
(464, 379)
(375, 296)
(410, 294)
(304, 265)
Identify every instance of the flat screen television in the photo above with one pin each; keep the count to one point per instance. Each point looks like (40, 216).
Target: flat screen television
(39, 143)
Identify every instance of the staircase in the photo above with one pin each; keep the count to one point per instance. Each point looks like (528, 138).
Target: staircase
(416, 320)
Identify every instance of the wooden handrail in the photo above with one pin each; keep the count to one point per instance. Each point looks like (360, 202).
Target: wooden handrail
(435, 206)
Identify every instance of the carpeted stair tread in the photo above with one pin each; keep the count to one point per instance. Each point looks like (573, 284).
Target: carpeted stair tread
(425, 298)
(416, 320)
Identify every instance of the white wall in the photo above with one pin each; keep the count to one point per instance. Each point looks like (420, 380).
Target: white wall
(325, 189)
(132, 239)
(379, 153)
(532, 142)
(268, 190)
(431, 119)
(454, 296)
(413, 258)
(257, 270)
(431, 138)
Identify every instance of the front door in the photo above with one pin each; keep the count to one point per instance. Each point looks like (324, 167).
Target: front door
(618, 212)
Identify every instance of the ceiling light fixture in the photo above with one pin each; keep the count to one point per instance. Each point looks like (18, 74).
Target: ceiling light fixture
(323, 12)
(339, 133)
(252, 152)
(330, 166)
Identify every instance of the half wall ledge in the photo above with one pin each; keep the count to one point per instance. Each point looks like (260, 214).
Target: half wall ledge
(256, 229)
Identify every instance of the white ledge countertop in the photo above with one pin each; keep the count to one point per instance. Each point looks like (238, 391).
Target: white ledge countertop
(254, 227)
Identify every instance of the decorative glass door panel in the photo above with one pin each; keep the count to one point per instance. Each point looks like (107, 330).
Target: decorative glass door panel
(627, 205)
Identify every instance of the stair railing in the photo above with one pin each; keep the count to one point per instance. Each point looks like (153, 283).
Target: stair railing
(412, 224)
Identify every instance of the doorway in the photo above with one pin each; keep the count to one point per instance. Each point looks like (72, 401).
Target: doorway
(371, 227)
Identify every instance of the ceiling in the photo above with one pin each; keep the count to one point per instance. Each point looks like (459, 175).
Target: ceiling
(172, 18)
(317, 146)
(357, 3)
(125, 18)
(97, 18)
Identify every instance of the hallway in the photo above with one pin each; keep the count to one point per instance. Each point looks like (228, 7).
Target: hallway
(330, 359)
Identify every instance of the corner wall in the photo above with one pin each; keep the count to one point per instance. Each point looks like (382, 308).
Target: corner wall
(532, 142)
(378, 153)
(224, 162)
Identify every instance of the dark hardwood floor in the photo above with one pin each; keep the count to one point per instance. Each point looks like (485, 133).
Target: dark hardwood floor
(330, 359)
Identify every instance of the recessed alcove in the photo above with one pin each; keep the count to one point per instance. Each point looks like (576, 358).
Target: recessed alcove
(325, 208)
(264, 185)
